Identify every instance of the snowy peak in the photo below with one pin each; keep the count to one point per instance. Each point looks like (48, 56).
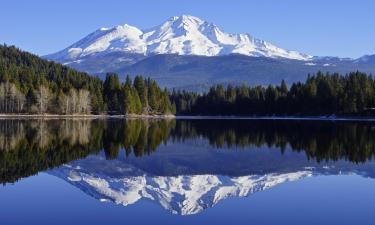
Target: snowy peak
(185, 21)
(182, 35)
(183, 195)
(119, 38)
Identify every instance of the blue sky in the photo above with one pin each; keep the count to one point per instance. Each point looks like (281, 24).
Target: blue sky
(331, 27)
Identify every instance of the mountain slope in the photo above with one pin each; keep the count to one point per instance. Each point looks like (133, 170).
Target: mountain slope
(182, 35)
(199, 72)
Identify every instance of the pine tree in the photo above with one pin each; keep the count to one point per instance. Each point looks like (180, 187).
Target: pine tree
(137, 102)
(283, 88)
(139, 85)
(129, 104)
(112, 89)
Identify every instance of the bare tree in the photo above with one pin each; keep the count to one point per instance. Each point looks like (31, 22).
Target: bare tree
(73, 101)
(11, 99)
(43, 98)
(83, 101)
(64, 103)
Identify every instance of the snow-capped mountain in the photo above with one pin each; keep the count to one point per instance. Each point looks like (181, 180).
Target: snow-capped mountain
(188, 53)
(182, 35)
(183, 195)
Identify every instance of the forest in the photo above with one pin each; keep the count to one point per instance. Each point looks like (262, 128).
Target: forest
(32, 85)
(321, 94)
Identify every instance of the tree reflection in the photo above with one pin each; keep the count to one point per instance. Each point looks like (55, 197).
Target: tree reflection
(320, 140)
(30, 146)
(27, 147)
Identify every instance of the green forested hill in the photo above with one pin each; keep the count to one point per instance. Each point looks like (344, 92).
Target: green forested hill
(27, 73)
(30, 84)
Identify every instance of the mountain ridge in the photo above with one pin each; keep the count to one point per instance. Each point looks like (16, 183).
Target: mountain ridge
(182, 35)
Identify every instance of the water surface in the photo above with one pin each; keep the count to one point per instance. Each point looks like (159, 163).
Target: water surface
(186, 172)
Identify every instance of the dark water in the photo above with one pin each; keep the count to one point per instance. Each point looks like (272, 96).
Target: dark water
(186, 172)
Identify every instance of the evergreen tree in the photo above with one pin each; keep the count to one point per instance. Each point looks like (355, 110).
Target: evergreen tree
(140, 87)
(137, 102)
(112, 90)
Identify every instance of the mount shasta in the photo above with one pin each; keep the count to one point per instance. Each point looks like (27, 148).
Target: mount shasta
(188, 52)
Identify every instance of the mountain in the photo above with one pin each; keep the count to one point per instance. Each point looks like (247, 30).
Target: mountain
(182, 35)
(366, 59)
(186, 52)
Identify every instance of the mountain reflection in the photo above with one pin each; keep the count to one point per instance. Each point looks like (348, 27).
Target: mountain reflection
(230, 148)
(184, 165)
(123, 183)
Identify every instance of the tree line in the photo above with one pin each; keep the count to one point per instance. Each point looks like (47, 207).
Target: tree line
(321, 94)
(30, 84)
(141, 96)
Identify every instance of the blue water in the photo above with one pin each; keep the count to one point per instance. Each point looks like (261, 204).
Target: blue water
(45, 199)
(307, 173)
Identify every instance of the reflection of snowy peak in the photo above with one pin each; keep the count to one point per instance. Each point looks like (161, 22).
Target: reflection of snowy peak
(182, 35)
(185, 194)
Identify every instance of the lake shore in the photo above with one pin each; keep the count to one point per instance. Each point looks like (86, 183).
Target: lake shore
(83, 116)
(134, 116)
(307, 118)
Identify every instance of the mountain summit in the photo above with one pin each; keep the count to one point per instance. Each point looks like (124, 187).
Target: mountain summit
(181, 35)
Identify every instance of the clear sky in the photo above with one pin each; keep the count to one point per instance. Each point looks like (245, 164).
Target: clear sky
(318, 27)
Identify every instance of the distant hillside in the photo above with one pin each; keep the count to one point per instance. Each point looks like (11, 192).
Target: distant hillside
(188, 71)
(197, 73)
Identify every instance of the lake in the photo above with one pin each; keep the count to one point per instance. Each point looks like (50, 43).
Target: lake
(186, 171)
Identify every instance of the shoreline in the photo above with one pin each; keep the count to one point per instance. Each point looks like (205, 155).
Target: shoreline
(85, 116)
(294, 118)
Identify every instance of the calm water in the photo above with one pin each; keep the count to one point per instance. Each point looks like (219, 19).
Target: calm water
(186, 172)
